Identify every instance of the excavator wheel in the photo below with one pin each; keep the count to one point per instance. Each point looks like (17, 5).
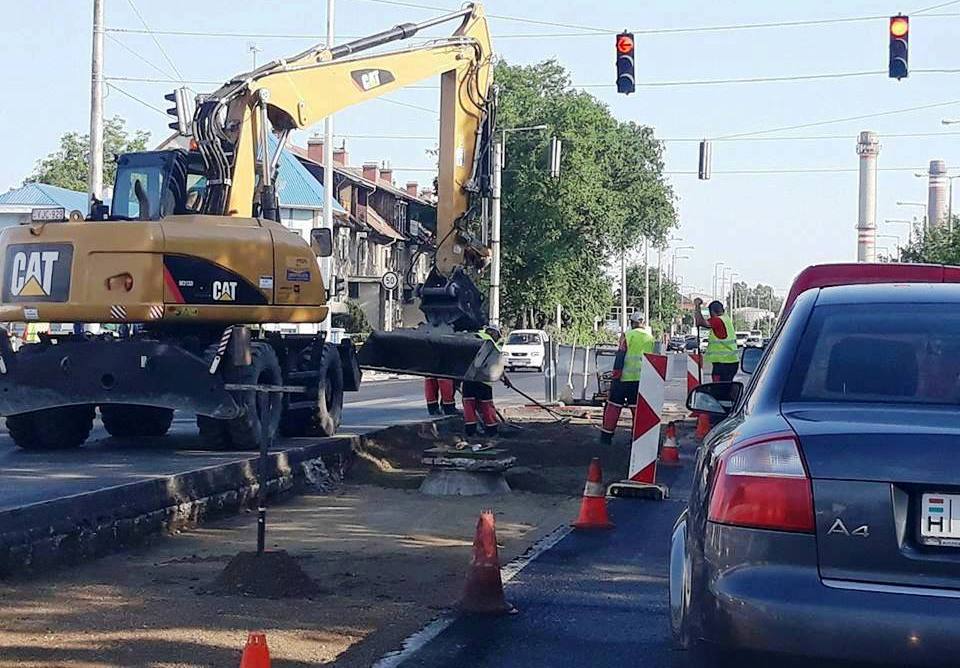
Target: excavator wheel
(322, 419)
(245, 432)
(124, 421)
(52, 428)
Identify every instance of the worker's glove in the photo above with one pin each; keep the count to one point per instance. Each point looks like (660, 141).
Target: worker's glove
(616, 373)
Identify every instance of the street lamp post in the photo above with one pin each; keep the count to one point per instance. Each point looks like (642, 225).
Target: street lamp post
(895, 238)
(716, 269)
(921, 205)
(903, 221)
(499, 156)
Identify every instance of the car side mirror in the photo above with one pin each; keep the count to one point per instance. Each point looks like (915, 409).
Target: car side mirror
(750, 359)
(321, 241)
(715, 398)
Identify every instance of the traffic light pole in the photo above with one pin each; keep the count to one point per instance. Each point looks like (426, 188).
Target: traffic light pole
(495, 187)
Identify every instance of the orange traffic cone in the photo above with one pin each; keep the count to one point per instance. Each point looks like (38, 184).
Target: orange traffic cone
(703, 425)
(593, 507)
(483, 593)
(255, 653)
(670, 453)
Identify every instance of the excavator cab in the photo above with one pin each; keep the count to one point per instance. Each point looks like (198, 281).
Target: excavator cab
(151, 185)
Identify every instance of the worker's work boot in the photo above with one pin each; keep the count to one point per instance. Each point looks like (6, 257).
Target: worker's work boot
(606, 438)
(450, 409)
(434, 409)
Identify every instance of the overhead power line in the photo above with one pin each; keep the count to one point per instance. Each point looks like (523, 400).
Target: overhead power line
(929, 9)
(693, 140)
(140, 57)
(581, 31)
(156, 41)
(640, 84)
(586, 30)
(135, 98)
(791, 170)
(840, 120)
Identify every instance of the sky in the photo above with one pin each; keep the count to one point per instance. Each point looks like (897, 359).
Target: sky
(766, 227)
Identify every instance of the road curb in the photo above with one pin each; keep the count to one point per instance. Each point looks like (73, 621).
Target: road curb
(72, 529)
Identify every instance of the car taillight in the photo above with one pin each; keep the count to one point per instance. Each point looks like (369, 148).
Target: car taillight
(763, 485)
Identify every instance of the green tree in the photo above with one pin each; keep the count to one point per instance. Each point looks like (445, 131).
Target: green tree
(759, 296)
(940, 245)
(68, 166)
(559, 234)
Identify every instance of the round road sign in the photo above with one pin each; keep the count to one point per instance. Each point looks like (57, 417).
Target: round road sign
(390, 280)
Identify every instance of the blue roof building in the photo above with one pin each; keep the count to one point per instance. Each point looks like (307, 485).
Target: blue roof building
(16, 204)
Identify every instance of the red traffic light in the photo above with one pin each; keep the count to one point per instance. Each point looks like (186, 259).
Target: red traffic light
(624, 43)
(899, 26)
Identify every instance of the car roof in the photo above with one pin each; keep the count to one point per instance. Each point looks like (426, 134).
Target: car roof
(890, 293)
(860, 273)
(526, 331)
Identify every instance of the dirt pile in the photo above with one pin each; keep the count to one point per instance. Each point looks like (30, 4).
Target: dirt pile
(273, 574)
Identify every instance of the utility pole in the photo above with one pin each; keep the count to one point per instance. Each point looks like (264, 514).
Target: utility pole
(646, 283)
(495, 188)
(326, 263)
(623, 291)
(254, 49)
(496, 197)
(95, 175)
(659, 283)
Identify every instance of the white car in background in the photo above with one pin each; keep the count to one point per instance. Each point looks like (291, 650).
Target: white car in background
(526, 349)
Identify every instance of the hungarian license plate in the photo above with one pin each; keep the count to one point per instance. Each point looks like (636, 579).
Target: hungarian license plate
(940, 519)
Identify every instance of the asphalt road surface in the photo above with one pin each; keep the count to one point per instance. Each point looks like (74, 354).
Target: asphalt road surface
(594, 599)
(31, 477)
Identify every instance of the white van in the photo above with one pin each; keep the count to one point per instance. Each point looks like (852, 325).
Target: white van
(525, 348)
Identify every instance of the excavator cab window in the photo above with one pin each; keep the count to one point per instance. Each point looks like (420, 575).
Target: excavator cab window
(155, 184)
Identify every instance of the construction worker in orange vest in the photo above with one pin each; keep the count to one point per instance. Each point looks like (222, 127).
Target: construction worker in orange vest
(478, 397)
(626, 374)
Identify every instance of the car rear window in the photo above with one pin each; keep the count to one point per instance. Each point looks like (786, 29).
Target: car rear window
(879, 353)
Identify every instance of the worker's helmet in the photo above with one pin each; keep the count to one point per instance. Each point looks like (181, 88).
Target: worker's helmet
(493, 330)
(636, 316)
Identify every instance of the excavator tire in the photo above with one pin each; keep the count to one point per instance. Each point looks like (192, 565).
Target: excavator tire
(125, 421)
(52, 428)
(245, 431)
(323, 419)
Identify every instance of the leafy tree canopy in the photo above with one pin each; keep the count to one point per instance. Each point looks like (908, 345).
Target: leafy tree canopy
(68, 166)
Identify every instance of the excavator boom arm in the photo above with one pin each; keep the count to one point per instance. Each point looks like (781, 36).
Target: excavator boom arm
(298, 93)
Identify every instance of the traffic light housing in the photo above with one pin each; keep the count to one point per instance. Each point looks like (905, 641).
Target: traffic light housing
(183, 109)
(899, 46)
(626, 78)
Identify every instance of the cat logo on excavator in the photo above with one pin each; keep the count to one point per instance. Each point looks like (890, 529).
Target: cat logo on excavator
(224, 291)
(37, 272)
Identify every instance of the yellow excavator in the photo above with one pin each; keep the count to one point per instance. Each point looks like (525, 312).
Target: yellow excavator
(190, 259)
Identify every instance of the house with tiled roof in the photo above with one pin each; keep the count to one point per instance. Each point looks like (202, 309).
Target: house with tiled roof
(387, 229)
(17, 203)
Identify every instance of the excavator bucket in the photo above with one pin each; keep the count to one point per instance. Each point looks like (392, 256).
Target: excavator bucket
(432, 351)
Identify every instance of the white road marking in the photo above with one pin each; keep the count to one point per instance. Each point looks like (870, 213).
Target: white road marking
(418, 640)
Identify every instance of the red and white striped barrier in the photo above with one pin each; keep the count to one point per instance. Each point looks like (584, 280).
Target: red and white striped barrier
(694, 371)
(642, 475)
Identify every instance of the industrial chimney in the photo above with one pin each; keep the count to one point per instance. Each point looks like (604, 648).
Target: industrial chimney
(868, 148)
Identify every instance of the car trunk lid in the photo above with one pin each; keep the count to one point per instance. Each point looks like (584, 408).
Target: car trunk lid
(876, 472)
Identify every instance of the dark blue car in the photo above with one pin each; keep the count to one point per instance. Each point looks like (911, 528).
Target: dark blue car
(824, 520)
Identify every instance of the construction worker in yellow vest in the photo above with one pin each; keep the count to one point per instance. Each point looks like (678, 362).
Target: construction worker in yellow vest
(722, 352)
(478, 397)
(634, 343)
